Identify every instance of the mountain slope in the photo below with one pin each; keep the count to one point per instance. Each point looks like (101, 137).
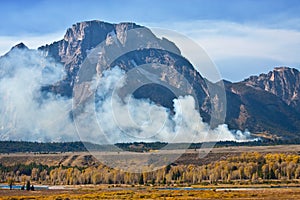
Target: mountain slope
(266, 103)
(283, 82)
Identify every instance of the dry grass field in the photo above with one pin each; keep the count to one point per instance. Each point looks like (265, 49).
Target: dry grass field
(190, 156)
(152, 193)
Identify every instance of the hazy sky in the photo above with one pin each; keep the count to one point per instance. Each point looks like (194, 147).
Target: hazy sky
(241, 37)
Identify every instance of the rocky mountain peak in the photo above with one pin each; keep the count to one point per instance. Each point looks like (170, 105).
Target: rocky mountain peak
(97, 30)
(20, 46)
(82, 37)
(282, 69)
(283, 82)
(82, 30)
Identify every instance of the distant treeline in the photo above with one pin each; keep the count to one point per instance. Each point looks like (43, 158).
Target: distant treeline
(57, 147)
(22, 146)
(144, 147)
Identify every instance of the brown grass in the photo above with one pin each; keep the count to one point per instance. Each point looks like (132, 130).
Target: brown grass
(84, 159)
(148, 193)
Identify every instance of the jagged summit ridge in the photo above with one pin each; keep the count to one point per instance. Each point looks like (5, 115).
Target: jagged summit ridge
(81, 29)
(84, 36)
(283, 82)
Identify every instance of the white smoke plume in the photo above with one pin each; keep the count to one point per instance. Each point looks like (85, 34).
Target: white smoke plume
(25, 114)
(28, 115)
(129, 119)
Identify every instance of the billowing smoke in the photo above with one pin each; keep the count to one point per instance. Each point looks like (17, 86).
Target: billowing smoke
(129, 119)
(26, 114)
(30, 115)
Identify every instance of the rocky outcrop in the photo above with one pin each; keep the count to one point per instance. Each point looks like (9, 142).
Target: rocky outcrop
(84, 36)
(283, 82)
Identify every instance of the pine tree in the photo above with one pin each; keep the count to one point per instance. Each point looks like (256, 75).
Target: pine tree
(141, 180)
(28, 185)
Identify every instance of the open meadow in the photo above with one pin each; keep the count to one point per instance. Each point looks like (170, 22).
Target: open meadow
(153, 193)
(258, 172)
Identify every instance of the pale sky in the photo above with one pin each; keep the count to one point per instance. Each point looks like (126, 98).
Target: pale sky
(241, 37)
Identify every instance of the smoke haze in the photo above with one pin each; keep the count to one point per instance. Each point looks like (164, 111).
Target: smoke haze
(26, 114)
(29, 115)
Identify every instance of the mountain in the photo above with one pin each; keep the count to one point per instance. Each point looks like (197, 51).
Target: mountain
(135, 45)
(283, 82)
(20, 46)
(267, 105)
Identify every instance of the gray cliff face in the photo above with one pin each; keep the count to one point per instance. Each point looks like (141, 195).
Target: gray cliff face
(283, 82)
(83, 37)
(72, 50)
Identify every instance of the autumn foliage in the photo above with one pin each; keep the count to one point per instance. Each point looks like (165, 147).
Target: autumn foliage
(247, 167)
